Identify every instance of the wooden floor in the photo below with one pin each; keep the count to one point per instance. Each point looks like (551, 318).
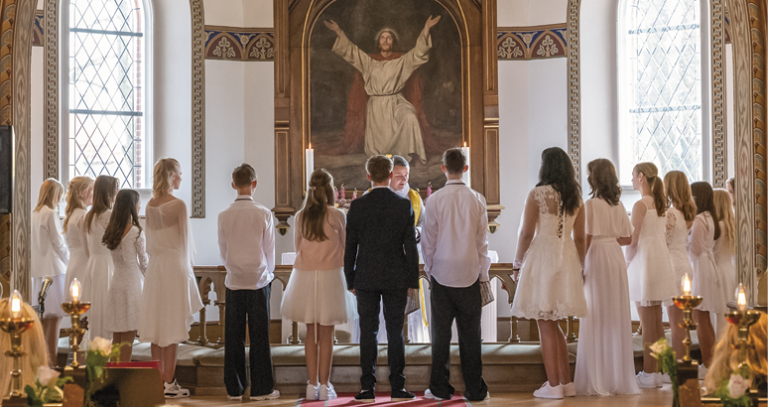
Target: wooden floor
(650, 398)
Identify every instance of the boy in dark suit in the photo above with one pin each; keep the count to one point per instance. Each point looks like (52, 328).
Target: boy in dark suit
(381, 264)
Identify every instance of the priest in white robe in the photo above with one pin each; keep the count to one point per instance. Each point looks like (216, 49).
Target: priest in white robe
(392, 126)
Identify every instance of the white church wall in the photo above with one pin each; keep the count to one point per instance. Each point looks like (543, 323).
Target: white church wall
(527, 13)
(38, 120)
(227, 13)
(257, 13)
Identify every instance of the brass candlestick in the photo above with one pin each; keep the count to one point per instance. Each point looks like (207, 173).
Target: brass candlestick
(75, 309)
(687, 303)
(15, 327)
(743, 318)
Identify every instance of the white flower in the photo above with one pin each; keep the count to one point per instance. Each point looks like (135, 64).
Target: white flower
(100, 344)
(737, 386)
(660, 346)
(47, 376)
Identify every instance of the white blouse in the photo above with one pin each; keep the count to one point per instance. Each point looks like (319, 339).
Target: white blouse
(49, 250)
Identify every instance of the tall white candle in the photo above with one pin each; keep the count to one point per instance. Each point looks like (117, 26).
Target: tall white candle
(309, 162)
(466, 178)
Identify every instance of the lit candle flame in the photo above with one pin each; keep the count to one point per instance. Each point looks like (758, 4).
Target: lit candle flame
(74, 290)
(686, 285)
(310, 146)
(16, 304)
(741, 298)
(465, 144)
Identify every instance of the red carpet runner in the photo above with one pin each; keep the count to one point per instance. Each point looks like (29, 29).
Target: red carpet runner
(348, 400)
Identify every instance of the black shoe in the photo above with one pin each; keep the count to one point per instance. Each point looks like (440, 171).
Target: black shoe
(366, 396)
(402, 395)
(477, 397)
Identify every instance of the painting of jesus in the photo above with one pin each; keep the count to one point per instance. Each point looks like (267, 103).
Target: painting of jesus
(398, 100)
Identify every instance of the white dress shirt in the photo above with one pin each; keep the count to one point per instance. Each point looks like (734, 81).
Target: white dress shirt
(454, 237)
(49, 249)
(247, 244)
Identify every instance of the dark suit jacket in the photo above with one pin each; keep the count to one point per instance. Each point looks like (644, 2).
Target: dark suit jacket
(381, 249)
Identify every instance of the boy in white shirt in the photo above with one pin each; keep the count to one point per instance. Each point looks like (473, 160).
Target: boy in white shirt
(247, 248)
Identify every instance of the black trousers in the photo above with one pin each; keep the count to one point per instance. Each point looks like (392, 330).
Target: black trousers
(465, 306)
(253, 306)
(368, 303)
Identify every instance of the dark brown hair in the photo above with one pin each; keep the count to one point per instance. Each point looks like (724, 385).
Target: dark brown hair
(604, 181)
(320, 195)
(104, 191)
(557, 171)
(454, 160)
(123, 214)
(705, 202)
(379, 167)
(243, 175)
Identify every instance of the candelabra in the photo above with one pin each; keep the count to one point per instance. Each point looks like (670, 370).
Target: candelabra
(687, 303)
(75, 309)
(15, 326)
(743, 318)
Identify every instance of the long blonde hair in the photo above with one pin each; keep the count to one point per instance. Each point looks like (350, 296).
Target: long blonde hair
(50, 194)
(679, 194)
(104, 192)
(32, 343)
(319, 196)
(651, 173)
(724, 213)
(76, 188)
(162, 177)
(725, 359)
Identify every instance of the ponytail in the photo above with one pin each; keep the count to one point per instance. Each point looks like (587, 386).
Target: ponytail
(651, 173)
(319, 196)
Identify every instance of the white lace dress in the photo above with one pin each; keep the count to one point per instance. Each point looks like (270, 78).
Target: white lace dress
(706, 280)
(677, 243)
(131, 262)
(651, 278)
(551, 285)
(98, 276)
(605, 364)
(78, 248)
(170, 299)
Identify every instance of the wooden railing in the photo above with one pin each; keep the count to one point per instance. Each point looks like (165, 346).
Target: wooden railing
(214, 276)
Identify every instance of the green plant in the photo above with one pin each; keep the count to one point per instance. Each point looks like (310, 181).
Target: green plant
(667, 358)
(734, 392)
(100, 351)
(47, 387)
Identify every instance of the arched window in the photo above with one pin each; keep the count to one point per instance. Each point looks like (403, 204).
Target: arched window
(108, 126)
(660, 87)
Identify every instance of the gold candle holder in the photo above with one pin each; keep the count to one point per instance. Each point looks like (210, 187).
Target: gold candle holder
(687, 303)
(75, 309)
(743, 318)
(15, 326)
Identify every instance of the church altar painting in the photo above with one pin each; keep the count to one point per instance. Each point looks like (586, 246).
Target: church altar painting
(385, 78)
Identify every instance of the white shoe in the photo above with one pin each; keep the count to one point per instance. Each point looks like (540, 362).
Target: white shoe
(327, 392)
(271, 396)
(648, 380)
(174, 391)
(703, 372)
(428, 395)
(311, 392)
(569, 390)
(665, 379)
(234, 398)
(548, 392)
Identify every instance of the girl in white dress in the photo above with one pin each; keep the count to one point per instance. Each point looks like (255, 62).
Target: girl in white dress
(605, 364)
(99, 269)
(317, 294)
(171, 298)
(706, 279)
(79, 198)
(49, 258)
(550, 251)
(680, 217)
(725, 251)
(651, 278)
(125, 240)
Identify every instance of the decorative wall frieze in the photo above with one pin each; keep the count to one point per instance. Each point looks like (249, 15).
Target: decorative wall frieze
(574, 85)
(198, 108)
(526, 43)
(717, 61)
(239, 44)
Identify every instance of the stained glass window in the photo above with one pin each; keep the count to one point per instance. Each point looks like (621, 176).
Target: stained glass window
(660, 81)
(107, 94)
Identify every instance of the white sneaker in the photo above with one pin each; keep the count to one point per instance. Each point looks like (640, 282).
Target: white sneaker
(234, 398)
(271, 396)
(703, 372)
(311, 392)
(665, 379)
(647, 380)
(428, 395)
(327, 392)
(569, 390)
(174, 391)
(548, 392)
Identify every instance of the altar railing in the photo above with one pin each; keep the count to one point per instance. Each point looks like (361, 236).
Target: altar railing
(211, 278)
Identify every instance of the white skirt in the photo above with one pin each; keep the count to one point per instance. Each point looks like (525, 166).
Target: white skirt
(57, 294)
(318, 297)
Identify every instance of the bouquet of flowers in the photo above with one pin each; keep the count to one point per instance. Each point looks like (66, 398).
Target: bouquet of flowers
(733, 392)
(662, 352)
(47, 387)
(100, 350)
